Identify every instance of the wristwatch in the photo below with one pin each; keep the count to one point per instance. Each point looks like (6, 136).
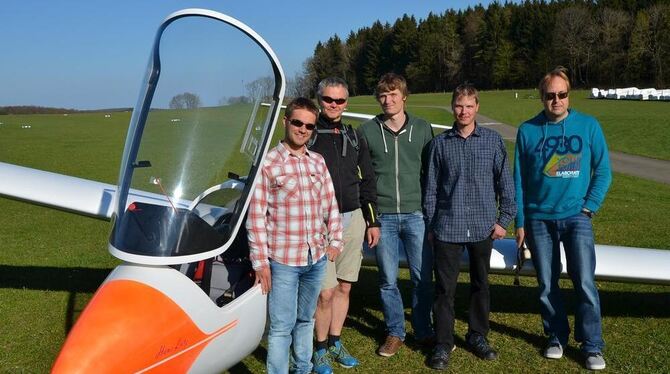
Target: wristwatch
(587, 212)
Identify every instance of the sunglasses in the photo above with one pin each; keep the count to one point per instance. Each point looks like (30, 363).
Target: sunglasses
(330, 100)
(550, 96)
(299, 123)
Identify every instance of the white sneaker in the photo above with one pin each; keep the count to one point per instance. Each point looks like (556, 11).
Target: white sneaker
(595, 361)
(553, 351)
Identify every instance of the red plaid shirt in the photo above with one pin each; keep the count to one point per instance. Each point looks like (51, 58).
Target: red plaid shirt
(293, 210)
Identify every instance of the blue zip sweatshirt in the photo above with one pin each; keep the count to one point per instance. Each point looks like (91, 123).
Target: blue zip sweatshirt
(560, 167)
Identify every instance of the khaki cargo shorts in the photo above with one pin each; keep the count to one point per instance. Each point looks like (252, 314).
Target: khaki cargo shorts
(348, 264)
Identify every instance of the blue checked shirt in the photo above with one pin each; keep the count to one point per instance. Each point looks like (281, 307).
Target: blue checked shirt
(468, 186)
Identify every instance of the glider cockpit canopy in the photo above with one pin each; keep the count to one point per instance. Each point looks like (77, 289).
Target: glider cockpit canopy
(197, 128)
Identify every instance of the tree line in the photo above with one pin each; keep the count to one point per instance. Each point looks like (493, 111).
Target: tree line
(608, 43)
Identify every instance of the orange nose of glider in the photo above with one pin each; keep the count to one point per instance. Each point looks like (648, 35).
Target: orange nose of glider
(130, 327)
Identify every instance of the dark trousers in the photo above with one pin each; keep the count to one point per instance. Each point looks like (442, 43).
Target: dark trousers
(447, 265)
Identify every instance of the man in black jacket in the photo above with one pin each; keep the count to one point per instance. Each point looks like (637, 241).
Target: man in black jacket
(348, 160)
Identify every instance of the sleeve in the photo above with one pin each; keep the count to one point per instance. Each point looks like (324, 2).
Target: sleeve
(427, 141)
(518, 179)
(601, 176)
(504, 186)
(431, 133)
(331, 211)
(430, 180)
(256, 223)
(368, 185)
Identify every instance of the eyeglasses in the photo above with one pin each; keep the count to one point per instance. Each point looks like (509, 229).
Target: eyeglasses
(330, 100)
(551, 96)
(299, 123)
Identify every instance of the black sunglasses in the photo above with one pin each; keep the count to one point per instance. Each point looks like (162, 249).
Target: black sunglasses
(329, 100)
(299, 123)
(550, 96)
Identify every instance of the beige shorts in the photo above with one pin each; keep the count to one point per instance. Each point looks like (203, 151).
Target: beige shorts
(348, 264)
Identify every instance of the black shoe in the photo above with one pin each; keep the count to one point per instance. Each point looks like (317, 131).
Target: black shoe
(440, 358)
(480, 347)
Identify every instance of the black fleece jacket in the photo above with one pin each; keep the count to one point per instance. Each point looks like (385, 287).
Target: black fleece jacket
(353, 176)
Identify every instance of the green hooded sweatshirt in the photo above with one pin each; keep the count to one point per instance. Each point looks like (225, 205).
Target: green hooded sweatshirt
(397, 161)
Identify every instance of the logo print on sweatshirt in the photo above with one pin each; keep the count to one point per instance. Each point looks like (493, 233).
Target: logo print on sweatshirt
(562, 156)
(565, 166)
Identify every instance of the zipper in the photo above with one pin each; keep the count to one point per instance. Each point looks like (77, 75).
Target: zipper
(337, 168)
(397, 176)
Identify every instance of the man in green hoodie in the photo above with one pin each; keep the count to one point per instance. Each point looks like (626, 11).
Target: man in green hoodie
(396, 141)
(562, 173)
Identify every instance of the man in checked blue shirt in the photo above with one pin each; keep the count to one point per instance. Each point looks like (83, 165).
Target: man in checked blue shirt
(468, 202)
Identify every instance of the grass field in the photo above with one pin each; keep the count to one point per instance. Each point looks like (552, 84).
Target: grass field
(636, 127)
(51, 262)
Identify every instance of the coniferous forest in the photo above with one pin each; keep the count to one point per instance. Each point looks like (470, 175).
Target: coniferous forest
(607, 43)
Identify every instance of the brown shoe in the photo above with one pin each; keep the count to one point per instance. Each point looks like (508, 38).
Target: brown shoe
(390, 347)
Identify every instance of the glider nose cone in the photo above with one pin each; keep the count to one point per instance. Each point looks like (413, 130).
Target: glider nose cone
(128, 327)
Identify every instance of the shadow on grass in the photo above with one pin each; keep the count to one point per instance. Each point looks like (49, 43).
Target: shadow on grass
(78, 282)
(49, 278)
(504, 299)
(649, 301)
(364, 312)
(507, 299)
(260, 354)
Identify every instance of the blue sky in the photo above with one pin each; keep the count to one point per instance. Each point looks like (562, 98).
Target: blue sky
(92, 54)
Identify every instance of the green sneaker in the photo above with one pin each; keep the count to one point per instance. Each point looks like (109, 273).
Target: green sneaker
(321, 362)
(342, 356)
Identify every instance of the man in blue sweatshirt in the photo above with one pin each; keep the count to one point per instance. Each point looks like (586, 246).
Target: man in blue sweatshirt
(562, 173)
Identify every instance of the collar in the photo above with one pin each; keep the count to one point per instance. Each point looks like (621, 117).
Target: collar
(285, 153)
(382, 121)
(325, 123)
(453, 131)
(547, 121)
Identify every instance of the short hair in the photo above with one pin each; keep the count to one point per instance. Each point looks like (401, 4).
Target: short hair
(560, 72)
(391, 81)
(301, 103)
(464, 89)
(331, 82)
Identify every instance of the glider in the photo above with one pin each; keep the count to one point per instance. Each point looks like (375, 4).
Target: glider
(183, 300)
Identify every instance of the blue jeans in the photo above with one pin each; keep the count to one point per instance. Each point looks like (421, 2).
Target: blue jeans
(291, 305)
(576, 233)
(407, 231)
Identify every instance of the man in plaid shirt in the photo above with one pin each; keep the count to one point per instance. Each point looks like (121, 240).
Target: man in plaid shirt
(294, 227)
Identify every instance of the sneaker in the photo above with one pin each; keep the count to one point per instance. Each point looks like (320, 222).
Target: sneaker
(595, 361)
(480, 347)
(553, 351)
(342, 356)
(390, 347)
(440, 358)
(321, 362)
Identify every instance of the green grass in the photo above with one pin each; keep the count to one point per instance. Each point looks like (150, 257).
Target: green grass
(51, 262)
(629, 199)
(635, 127)
(81, 145)
(635, 337)
(200, 149)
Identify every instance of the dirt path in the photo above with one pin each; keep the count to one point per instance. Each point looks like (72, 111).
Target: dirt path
(643, 167)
